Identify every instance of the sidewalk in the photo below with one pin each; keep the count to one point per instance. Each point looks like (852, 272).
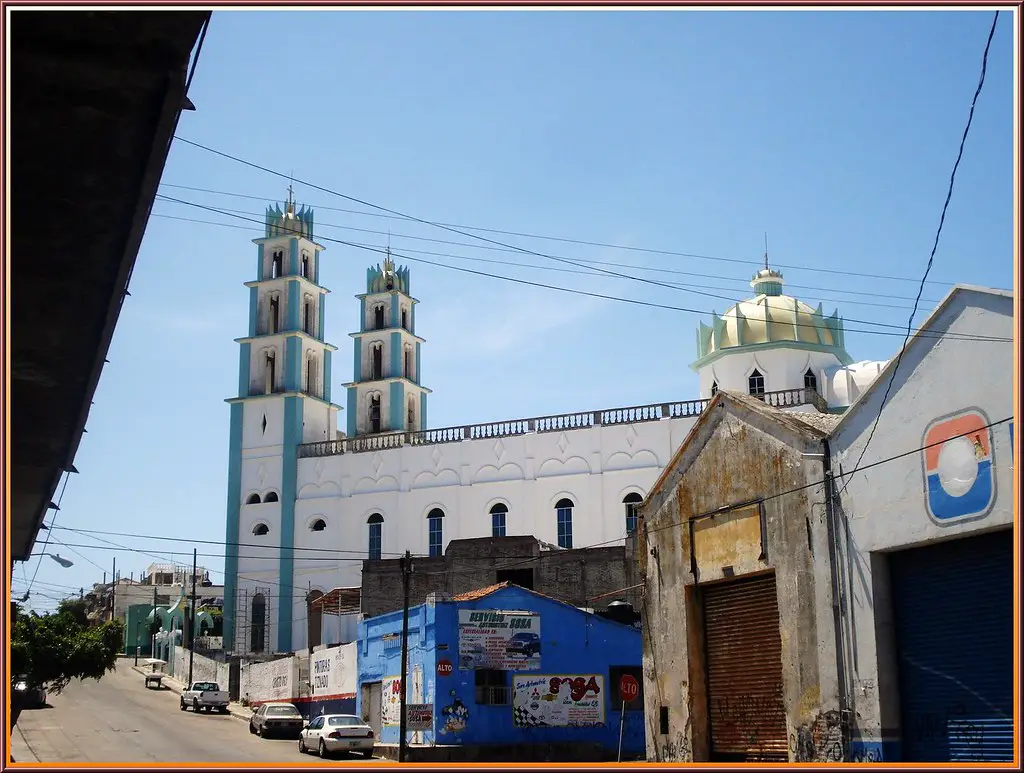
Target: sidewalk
(20, 750)
(236, 710)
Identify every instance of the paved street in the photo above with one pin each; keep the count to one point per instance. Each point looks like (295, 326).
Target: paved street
(118, 720)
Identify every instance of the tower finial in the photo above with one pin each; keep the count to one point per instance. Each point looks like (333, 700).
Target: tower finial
(291, 195)
(766, 251)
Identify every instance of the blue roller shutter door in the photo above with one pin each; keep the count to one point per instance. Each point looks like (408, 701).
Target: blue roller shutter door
(953, 616)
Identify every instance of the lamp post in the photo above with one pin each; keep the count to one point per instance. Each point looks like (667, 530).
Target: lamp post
(59, 559)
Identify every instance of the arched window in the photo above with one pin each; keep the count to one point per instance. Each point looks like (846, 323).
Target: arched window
(318, 525)
(405, 318)
(435, 530)
(314, 620)
(307, 317)
(311, 368)
(261, 530)
(270, 496)
(632, 503)
(411, 413)
(408, 362)
(374, 413)
(378, 317)
(563, 511)
(376, 527)
(270, 373)
(258, 624)
(254, 499)
(714, 388)
(305, 265)
(274, 316)
(755, 383)
(377, 360)
(277, 265)
(498, 513)
(810, 380)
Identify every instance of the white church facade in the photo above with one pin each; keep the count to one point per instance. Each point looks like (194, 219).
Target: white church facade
(308, 503)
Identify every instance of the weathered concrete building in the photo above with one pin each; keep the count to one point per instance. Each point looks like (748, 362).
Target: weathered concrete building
(739, 637)
(583, 578)
(926, 557)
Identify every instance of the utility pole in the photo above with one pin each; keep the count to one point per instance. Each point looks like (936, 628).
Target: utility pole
(113, 587)
(192, 624)
(152, 636)
(406, 564)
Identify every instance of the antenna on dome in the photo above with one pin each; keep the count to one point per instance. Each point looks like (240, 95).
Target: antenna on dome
(766, 251)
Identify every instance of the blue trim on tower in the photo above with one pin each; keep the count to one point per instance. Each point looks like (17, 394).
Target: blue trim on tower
(351, 412)
(289, 473)
(396, 355)
(417, 380)
(292, 363)
(293, 256)
(323, 316)
(316, 266)
(412, 318)
(259, 262)
(397, 399)
(395, 303)
(254, 306)
(357, 359)
(234, 505)
(294, 306)
(423, 410)
(362, 315)
(244, 363)
(327, 377)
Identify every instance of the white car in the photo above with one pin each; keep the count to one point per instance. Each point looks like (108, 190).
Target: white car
(333, 733)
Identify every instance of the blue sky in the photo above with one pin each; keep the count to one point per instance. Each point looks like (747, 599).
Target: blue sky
(687, 132)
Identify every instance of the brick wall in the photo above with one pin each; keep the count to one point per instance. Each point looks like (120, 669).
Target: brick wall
(573, 576)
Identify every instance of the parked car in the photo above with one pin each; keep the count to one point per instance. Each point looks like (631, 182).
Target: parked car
(204, 696)
(333, 733)
(28, 695)
(281, 718)
(525, 643)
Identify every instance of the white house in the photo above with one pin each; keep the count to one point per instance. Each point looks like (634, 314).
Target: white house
(308, 503)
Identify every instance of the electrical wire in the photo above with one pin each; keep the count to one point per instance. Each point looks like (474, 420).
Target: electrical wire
(931, 257)
(582, 242)
(602, 296)
(731, 298)
(49, 531)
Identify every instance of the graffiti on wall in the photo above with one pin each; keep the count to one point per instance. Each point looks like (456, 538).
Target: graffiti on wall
(455, 715)
(957, 459)
(558, 701)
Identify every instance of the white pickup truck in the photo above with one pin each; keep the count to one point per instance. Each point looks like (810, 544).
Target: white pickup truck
(206, 696)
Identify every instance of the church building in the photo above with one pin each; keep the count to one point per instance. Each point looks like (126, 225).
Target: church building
(308, 502)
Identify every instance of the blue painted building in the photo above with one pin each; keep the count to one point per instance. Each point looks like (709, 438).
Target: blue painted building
(504, 666)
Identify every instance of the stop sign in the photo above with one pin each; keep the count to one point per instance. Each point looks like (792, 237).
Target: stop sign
(629, 688)
(444, 667)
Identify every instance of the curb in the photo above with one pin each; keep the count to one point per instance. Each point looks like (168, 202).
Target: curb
(20, 751)
(236, 711)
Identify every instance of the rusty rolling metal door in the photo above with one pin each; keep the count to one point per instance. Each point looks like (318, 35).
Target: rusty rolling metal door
(744, 671)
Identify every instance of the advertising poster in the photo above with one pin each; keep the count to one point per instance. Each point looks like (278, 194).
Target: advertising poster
(506, 641)
(391, 701)
(569, 700)
(333, 671)
(419, 716)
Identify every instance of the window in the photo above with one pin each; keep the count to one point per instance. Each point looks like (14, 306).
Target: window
(632, 504)
(408, 362)
(615, 674)
(314, 620)
(377, 367)
(498, 513)
(270, 496)
(277, 265)
(521, 577)
(317, 723)
(714, 388)
(270, 373)
(311, 376)
(378, 317)
(492, 687)
(318, 525)
(275, 315)
(755, 384)
(307, 322)
(258, 625)
(411, 414)
(261, 530)
(810, 380)
(563, 511)
(305, 265)
(375, 413)
(254, 499)
(405, 318)
(376, 527)
(435, 533)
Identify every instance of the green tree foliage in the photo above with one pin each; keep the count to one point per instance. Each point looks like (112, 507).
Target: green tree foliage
(55, 648)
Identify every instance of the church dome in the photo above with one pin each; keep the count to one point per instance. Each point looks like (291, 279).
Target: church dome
(770, 319)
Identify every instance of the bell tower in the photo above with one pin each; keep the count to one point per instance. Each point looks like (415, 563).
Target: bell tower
(386, 394)
(283, 401)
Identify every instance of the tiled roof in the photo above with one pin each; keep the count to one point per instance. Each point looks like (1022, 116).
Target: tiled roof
(479, 593)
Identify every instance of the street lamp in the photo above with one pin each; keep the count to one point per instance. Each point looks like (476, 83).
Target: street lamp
(62, 561)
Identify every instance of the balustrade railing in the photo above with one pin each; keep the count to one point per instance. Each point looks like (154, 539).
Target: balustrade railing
(561, 423)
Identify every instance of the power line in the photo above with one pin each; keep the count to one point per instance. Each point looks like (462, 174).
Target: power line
(582, 242)
(931, 257)
(681, 286)
(602, 296)
(49, 531)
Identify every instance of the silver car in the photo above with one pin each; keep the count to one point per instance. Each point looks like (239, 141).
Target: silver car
(279, 718)
(333, 733)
